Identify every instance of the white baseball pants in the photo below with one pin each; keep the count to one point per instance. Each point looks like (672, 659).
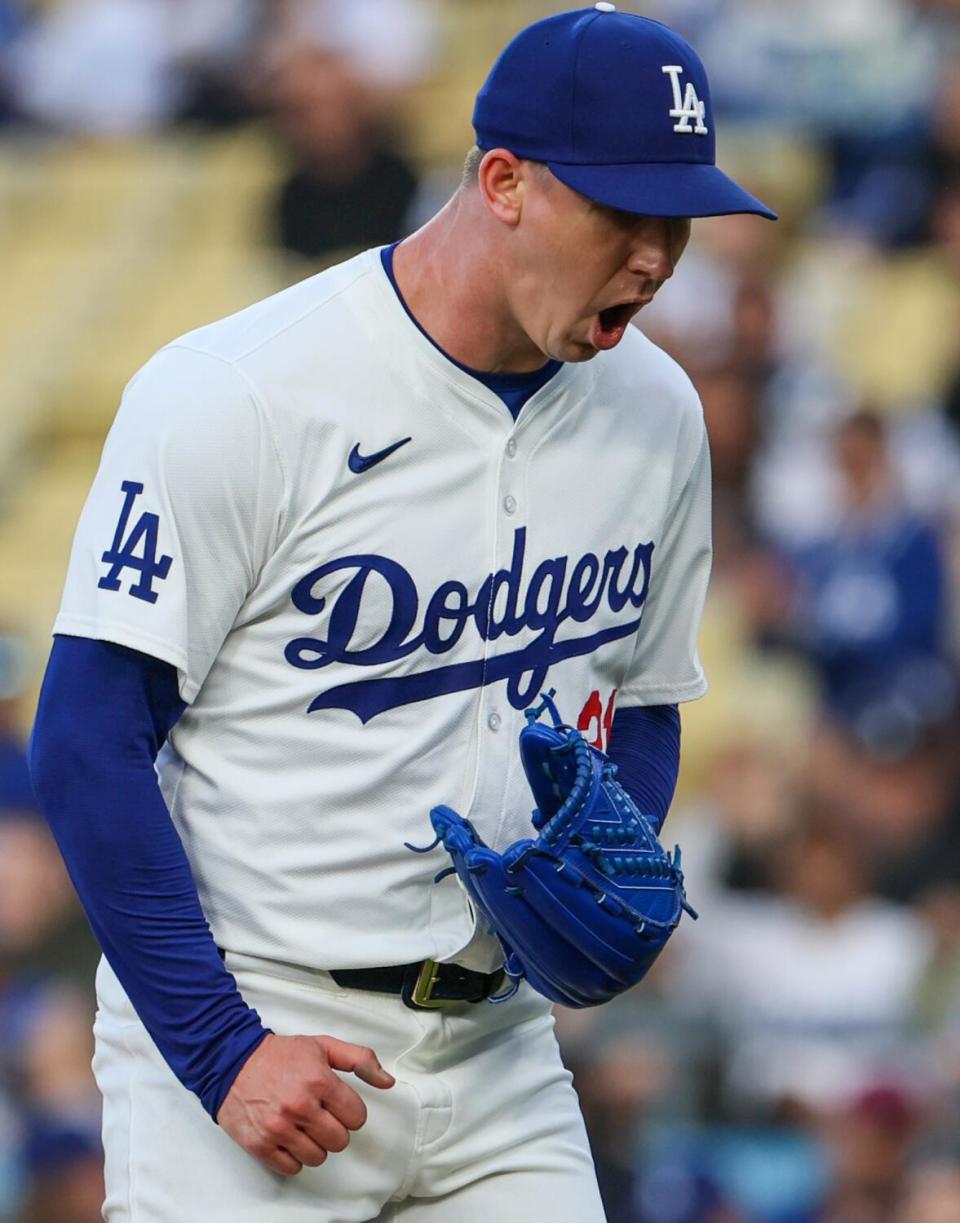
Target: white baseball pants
(482, 1124)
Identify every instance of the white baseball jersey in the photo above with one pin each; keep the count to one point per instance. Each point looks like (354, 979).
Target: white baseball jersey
(364, 570)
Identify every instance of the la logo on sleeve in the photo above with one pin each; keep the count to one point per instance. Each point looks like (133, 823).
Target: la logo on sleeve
(687, 106)
(135, 549)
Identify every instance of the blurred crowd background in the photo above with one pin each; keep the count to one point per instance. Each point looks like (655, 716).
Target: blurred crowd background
(795, 1057)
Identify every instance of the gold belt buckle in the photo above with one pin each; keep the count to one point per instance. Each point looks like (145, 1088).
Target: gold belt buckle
(422, 993)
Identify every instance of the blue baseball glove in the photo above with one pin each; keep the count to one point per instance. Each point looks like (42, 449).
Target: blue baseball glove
(583, 910)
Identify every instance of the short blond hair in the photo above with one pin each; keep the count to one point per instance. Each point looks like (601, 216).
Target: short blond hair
(471, 167)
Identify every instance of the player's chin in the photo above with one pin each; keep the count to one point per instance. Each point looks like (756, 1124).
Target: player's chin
(579, 351)
(576, 347)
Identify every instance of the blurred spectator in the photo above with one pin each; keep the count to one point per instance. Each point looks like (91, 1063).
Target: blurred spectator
(389, 44)
(42, 931)
(47, 959)
(798, 486)
(349, 188)
(117, 67)
(892, 782)
(870, 608)
(870, 1142)
(45, 1064)
(642, 1070)
(647, 1077)
(103, 67)
(731, 407)
(62, 1152)
(214, 43)
(813, 985)
(617, 1085)
(748, 806)
(334, 80)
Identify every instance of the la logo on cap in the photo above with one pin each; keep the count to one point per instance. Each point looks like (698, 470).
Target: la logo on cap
(686, 106)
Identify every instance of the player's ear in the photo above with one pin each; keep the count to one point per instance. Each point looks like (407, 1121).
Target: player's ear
(501, 181)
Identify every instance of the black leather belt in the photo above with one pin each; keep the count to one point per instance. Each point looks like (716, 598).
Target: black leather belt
(426, 986)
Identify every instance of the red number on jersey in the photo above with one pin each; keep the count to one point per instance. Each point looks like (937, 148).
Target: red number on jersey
(593, 712)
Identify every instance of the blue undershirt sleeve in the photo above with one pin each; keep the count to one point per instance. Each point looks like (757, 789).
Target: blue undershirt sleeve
(645, 746)
(104, 713)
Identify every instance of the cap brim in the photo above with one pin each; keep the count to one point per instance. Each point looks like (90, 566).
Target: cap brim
(662, 189)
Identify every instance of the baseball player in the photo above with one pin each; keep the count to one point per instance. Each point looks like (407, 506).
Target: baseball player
(335, 546)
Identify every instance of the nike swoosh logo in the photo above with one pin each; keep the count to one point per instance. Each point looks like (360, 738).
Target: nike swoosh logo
(358, 462)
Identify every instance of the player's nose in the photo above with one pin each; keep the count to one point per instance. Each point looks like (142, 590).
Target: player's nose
(653, 251)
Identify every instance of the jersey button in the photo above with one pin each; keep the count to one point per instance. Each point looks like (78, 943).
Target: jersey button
(510, 504)
(494, 722)
(512, 448)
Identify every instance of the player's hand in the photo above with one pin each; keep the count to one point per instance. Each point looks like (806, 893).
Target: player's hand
(289, 1108)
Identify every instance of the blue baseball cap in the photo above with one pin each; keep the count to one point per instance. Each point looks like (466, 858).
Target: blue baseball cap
(618, 107)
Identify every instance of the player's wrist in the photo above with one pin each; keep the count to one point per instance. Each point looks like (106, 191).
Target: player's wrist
(213, 1099)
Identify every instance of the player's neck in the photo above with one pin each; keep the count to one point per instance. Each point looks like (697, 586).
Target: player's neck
(451, 285)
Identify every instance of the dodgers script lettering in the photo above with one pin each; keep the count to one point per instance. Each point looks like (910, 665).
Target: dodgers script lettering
(505, 604)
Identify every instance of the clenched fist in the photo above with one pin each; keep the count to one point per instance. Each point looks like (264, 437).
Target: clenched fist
(289, 1108)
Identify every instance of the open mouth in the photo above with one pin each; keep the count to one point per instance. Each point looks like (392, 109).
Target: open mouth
(617, 316)
(612, 323)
